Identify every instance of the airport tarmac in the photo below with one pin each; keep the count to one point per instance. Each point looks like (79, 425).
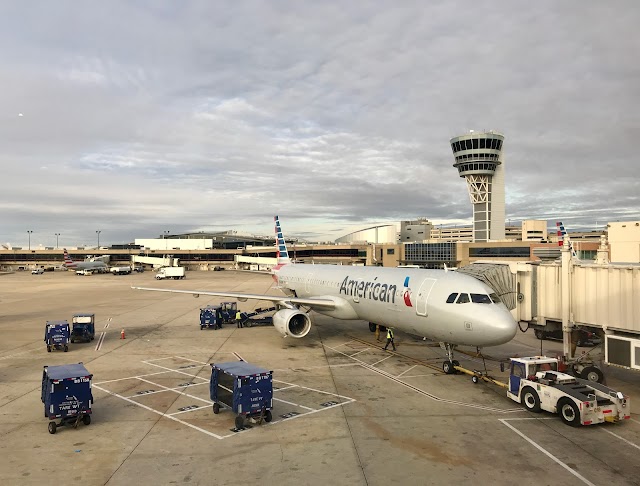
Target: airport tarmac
(345, 411)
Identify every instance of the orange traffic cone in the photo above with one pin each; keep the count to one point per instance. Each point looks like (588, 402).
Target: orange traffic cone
(122, 334)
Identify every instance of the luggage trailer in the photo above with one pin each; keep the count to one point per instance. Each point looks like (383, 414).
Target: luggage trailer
(244, 388)
(66, 394)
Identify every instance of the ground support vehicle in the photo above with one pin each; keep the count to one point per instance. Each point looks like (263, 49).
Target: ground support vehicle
(83, 327)
(538, 385)
(37, 271)
(57, 335)
(66, 394)
(244, 388)
(248, 319)
(124, 270)
(228, 311)
(170, 272)
(210, 317)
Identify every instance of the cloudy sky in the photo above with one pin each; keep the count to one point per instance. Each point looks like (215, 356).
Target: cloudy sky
(139, 117)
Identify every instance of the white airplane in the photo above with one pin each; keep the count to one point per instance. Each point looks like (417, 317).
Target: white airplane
(441, 305)
(74, 265)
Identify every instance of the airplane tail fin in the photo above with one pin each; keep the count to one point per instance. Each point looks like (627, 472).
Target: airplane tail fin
(283, 254)
(561, 233)
(68, 262)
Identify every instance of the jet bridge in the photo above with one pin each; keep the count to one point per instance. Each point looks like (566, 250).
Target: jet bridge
(498, 276)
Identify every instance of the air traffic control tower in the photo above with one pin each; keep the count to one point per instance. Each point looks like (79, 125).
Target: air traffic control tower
(479, 160)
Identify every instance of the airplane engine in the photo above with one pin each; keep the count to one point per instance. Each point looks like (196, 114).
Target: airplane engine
(292, 322)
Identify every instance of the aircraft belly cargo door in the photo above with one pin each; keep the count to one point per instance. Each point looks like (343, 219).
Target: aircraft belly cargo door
(423, 295)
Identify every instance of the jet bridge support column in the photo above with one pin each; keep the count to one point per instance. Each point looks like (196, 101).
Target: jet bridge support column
(566, 298)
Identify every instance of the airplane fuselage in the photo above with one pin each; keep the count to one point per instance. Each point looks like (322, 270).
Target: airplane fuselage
(410, 299)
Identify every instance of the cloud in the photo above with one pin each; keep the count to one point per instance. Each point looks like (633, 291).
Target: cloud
(151, 117)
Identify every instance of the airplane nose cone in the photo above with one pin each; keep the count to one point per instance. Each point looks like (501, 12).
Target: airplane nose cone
(504, 327)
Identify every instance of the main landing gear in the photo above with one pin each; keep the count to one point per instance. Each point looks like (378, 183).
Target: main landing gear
(449, 365)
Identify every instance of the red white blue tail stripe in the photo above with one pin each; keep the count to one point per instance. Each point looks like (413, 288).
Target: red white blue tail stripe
(561, 233)
(68, 262)
(282, 254)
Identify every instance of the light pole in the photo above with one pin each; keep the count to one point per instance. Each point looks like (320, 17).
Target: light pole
(98, 233)
(29, 233)
(164, 237)
(57, 235)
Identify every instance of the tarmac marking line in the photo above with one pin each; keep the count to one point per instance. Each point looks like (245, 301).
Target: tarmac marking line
(100, 341)
(406, 371)
(297, 405)
(362, 351)
(286, 383)
(174, 390)
(237, 356)
(175, 371)
(190, 410)
(380, 361)
(132, 377)
(622, 439)
(285, 388)
(547, 453)
(163, 414)
(425, 393)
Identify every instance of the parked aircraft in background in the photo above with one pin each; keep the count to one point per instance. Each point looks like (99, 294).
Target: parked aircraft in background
(561, 233)
(441, 305)
(84, 265)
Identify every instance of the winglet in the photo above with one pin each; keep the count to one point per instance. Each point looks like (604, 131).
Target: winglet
(283, 254)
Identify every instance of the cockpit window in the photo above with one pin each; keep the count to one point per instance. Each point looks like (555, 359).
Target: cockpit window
(452, 298)
(463, 299)
(480, 299)
(495, 298)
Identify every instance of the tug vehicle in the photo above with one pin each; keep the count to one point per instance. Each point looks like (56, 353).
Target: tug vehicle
(536, 383)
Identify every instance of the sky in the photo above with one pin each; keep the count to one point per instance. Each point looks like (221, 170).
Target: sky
(142, 117)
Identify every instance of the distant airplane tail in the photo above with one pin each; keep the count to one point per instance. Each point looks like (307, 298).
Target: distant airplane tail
(68, 262)
(561, 233)
(282, 254)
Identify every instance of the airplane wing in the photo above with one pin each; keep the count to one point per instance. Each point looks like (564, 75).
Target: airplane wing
(276, 299)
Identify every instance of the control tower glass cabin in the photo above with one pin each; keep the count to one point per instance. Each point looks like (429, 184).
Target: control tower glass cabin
(479, 159)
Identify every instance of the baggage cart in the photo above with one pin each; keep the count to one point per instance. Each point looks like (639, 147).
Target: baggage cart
(210, 317)
(66, 394)
(244, 388)
(56, 335)
(83, 327)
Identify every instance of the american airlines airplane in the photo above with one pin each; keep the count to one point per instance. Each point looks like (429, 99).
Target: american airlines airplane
(441, 305)
(73, 265)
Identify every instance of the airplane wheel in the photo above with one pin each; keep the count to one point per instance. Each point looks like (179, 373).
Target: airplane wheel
(475, 379)
(372, 327)
(591, 373)
(86, 419)
(48, 349)
(267, 416)
(569, 413)
(52, 427)
(530, 399)
(448, 368)
(216, 408)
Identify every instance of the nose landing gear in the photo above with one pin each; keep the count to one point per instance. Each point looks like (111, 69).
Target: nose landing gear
(449, 366)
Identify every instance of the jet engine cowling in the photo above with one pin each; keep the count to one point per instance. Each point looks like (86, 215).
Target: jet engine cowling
(292, 322)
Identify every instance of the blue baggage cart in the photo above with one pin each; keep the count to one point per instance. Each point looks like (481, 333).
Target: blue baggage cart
(229, 310)
(244, 388)
(83, 327)
(57, 335)
(66, 394)
(211, 317)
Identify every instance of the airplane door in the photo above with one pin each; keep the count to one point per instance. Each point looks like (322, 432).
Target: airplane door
(423, 295)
